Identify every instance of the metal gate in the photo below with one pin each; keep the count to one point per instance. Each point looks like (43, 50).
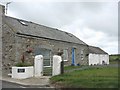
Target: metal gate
(47, 61)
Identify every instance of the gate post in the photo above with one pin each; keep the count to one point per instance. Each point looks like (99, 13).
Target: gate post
(38, 66)
(56, 65)
(62, 67)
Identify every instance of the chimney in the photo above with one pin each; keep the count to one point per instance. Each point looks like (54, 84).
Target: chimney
(2, 12)
(2, 9)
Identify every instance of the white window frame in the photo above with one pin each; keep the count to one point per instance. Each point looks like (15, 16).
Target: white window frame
(82, 54)
(65, 52)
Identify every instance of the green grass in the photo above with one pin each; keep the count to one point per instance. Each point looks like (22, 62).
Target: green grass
(114, 59)
(92, 77)
(71, 67)
(106, 77)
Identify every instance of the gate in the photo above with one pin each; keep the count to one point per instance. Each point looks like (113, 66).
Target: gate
(47, 60)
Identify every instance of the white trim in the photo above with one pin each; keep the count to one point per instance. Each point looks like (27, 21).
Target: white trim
(47, 66)
(65, 60)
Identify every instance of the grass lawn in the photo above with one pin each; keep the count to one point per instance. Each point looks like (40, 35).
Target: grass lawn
(100, 77)
(71, 67)
(114, 59)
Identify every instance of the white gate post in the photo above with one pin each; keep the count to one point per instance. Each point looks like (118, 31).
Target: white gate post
(56, 65)
(38, 66)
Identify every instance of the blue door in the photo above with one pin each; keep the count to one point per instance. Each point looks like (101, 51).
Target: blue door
(73, 56)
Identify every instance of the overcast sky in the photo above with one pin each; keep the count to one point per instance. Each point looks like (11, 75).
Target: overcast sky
(95, 23)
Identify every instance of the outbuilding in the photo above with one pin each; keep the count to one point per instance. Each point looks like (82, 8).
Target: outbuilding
(97, 56)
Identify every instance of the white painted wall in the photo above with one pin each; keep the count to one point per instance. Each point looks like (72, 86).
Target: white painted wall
(27, 74)
(56, 65)
(38, 66)
(98, 59)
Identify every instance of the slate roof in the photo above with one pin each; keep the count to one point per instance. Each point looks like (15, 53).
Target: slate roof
(96, 50)
(30, 28)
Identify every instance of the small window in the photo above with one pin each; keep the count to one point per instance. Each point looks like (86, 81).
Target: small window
(23, 23)
(65, 55)
(82, 54)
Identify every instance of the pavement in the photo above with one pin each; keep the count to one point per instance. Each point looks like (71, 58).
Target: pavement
(6, 84)
(42, 81)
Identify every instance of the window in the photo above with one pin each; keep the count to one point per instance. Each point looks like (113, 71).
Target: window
(82, 54)
(23, 23)
(65, 55)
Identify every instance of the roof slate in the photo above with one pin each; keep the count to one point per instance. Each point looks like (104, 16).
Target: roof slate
(30, 28)
(96, 50)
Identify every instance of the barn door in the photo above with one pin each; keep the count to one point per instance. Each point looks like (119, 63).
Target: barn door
(47, 61)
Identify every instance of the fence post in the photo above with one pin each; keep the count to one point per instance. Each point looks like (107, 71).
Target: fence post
(38, 66)
(62, 67)
(56, 70)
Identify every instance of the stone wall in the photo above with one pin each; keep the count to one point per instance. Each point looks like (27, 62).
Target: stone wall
(8, 48)
(26, 42)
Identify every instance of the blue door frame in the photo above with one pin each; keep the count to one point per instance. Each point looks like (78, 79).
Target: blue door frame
(73, 56)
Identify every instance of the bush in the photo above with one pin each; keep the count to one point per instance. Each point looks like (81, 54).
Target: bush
(23, 64)
(117, 59)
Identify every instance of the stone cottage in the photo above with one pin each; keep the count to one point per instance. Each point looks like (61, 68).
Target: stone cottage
(97, 56)
(23, 40)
